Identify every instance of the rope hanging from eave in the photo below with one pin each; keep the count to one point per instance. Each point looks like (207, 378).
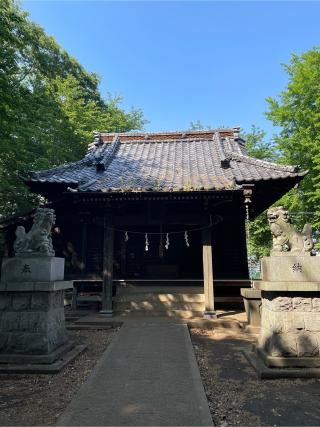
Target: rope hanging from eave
(158, 233)
(247, 227)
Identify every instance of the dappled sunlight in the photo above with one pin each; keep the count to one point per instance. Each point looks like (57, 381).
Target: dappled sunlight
(222, 335)
(133, 408)
(235, 394)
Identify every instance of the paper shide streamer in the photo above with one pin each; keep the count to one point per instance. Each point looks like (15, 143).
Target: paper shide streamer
(167, 241)
(186, 238)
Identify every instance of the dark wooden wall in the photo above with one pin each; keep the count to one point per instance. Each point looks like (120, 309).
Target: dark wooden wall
(80, 238)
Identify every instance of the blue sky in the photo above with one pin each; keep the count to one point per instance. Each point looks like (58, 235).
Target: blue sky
(185, 61)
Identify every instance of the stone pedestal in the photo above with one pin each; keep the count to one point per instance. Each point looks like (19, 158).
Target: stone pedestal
(290, 326)
(290, 269)
(32, 269)
(32, 320)
(252, 305)
(289, 339)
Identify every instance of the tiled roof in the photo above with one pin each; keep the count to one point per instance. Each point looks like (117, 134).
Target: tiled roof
(168, 161)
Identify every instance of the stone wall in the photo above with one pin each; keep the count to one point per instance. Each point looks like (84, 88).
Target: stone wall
(290, 324)
(31, 322)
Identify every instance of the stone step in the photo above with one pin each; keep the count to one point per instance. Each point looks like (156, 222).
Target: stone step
(160, 289)
(71, 318)
(183, 314)
(159, 305)
(160, 297)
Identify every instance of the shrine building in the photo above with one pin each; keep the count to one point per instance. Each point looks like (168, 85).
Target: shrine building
(162, 209)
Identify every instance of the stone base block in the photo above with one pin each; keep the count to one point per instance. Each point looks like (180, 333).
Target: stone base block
(290, 324)
(289, 338)
(290, 269)
(288, 362)
(24, 359)
(252, 305)
(265, 372)
(32, 269)
(31, 323)
(43, 368)
(46, 286)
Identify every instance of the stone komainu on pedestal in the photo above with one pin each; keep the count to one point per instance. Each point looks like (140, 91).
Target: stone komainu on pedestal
(32, 325)
(285, 238)
(38, 240)
(289, 337)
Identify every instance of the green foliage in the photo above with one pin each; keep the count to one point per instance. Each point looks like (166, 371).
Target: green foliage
(297, 112)
(259, 243)
(259, 234)
(49, 106)
(197, 125)
(257, 145)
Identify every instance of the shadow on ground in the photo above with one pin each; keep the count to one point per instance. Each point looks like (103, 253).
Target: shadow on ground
(237, 397)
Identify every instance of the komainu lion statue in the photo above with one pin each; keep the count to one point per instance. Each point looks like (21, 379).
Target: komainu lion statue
(286, 240)
(38, 240)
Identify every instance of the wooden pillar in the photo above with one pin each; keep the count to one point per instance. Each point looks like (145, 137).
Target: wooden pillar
(208, 274)
(123, 258)
(84, 247)
(107, 274)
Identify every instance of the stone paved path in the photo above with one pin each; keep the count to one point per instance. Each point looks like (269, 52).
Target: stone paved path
(148, 376)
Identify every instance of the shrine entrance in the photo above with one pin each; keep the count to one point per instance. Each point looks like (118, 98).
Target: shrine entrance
(152, 255)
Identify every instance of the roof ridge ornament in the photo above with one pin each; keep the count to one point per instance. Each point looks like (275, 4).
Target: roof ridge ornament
(97, 138)
(225, 157)
(106, 153)
(236, 132)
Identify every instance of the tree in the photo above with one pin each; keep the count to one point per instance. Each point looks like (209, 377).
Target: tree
(197, 125)
(297, 111)
(259, 234)
(49, 106)
(257, 145)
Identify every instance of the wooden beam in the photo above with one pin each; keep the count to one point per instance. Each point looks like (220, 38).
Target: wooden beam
(208, 273)
(107, 273)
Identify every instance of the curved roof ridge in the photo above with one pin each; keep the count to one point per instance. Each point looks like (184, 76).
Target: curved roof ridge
(60, 168)
(203, 162)
(263, 163)
(158, 141)
(235, 129)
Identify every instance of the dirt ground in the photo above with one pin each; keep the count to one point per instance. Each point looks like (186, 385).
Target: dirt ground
(237, 397)
(33, 399)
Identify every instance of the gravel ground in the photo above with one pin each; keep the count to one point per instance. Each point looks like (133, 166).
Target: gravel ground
(29, 400)
(235, 395)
